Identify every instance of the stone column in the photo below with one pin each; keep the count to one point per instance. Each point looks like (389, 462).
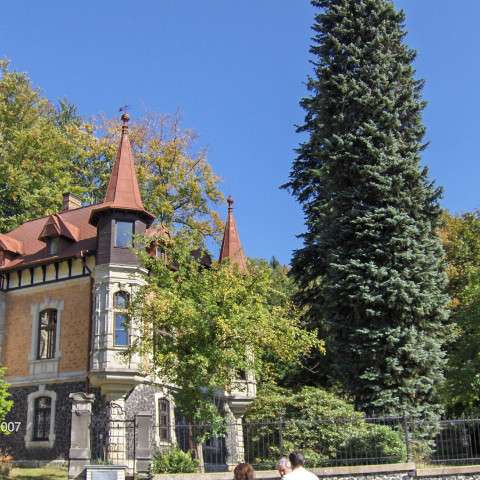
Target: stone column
(143, 443)
(234, 439)
(79, 455)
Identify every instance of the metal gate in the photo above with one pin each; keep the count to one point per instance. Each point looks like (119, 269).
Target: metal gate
(112, 439)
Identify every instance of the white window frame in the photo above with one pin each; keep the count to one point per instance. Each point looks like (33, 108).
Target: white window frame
(123, 311)
(29, 441)
(173, 440)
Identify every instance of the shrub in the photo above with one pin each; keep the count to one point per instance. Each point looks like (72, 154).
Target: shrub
(174, 461)
(324, 426)
(375, 444)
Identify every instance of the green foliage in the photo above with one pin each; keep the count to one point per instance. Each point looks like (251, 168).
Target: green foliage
(174, 461)
(5, 403)
(370, 272)
(324, 426)
(21, 473)
(377, 441)
(283, 285)
(461, 241)
(201, 325)
(36, 152)
(47, 149)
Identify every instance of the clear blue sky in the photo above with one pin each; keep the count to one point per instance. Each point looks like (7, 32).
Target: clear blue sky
(236, 70)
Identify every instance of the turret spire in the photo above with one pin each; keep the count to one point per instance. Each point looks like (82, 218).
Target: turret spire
(231, 245)
(123, 187)
(123, 192)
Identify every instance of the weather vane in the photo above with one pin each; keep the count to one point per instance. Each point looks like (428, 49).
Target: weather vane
(125, 116)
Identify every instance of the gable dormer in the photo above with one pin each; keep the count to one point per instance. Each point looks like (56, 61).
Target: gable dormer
(58, 233)
(9, 249)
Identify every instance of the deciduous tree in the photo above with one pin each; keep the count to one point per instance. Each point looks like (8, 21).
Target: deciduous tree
(201, 325)
(35, 152)
(460, 235)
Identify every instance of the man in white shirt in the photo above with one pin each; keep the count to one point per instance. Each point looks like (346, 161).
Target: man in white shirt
(298, 471)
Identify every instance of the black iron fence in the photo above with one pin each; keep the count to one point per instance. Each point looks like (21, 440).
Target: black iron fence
(112, 438)
(328, 442)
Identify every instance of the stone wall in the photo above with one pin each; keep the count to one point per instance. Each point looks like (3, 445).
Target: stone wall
(368, 472)
(15, 442)
(405, 471)
(141, 399)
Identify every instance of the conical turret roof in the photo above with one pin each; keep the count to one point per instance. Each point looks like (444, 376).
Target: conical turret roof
(123, 192)
(231, 245)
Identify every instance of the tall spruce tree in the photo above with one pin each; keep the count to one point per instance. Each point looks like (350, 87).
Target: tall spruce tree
(371, 265)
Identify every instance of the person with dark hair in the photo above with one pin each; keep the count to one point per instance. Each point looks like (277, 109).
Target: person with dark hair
(297, 460)
(244, 471)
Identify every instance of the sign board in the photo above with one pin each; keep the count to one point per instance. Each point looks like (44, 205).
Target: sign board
(106, 474)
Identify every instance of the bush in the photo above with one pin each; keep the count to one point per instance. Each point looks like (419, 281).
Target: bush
(324, 426)
(376, 444)
(174, 461)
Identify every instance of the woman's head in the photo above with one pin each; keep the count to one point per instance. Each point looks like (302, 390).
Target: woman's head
(244, 471)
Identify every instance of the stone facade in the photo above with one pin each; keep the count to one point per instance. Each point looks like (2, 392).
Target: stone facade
(15, 442)
(142, 399)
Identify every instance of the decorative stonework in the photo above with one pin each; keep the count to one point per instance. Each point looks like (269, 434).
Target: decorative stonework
(156, 418)
(80, 451)
(15, 443)
(45, 368)
(29, 441)
(106, 357)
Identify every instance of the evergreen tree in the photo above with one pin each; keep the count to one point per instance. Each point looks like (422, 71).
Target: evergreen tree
(371, 265)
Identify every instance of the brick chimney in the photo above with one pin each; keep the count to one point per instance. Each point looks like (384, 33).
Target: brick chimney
(70, 202)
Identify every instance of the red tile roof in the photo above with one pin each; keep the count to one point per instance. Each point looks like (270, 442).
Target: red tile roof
(56, 226)
(231, 245)
(11, 245)
(27, 241)
(35, 250)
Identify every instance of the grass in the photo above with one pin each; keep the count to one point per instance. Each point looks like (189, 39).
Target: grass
(39, 473)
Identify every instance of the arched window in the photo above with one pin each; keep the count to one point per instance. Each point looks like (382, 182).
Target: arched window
(120, 305)
(42, 418)
(121, 300)
(164, 420)
(47, 329)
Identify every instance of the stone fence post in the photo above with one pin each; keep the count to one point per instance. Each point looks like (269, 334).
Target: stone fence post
(79, 454)
(143, 443)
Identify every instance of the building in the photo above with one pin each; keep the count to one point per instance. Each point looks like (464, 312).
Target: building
(65, 281)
